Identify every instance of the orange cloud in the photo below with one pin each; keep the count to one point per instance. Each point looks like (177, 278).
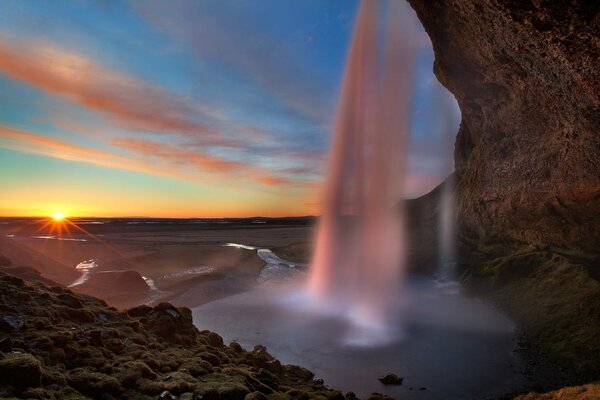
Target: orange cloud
(177, 155)
(203, 161)
(25, 142)
(129, 102)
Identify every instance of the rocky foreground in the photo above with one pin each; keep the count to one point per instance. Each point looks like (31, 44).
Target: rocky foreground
(55, 344)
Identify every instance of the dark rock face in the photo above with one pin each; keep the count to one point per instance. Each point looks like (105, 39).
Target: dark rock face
(527, 156)
(525, 74)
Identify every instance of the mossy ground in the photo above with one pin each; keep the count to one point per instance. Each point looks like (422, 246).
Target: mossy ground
(74, 346)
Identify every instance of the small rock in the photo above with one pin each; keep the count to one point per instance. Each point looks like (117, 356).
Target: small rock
(391, 379)
(11, 322)
(172, 313)
(102, 316)
(167, 396)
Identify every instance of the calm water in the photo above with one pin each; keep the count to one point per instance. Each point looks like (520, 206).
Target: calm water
(453, 346)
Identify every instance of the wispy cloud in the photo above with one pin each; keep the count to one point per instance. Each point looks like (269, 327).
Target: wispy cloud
(26, 142)
(231, 35)
(183, 157)
(125, 100)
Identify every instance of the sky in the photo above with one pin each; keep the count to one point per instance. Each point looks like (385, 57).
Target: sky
(208, 108)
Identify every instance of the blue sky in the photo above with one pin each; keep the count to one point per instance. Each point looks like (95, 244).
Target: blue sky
(185, 108)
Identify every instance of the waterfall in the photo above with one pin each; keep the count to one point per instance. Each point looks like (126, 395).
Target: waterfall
(359, 259)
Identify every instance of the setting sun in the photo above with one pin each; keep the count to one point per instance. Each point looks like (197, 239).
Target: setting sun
(58, 216)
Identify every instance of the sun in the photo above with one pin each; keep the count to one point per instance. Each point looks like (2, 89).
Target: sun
(58, 216)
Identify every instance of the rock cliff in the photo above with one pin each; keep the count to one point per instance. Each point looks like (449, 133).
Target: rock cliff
(527, 156)
(525, 74)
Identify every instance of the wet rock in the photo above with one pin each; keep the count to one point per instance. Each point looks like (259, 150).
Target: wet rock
(391, 379)
(11, 322)
(20, 370)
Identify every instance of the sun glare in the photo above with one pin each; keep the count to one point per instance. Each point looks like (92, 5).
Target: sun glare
(58, 216)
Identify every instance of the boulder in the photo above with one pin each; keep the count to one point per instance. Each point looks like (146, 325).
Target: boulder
(11, 322)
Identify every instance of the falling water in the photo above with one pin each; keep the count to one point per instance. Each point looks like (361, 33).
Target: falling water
(359, 259)
(447, 229)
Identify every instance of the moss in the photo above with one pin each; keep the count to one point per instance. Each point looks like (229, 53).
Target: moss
(20, 370)
(94, 384)
(220, 386)
(585, 392)
(554, 299)
(129, 354)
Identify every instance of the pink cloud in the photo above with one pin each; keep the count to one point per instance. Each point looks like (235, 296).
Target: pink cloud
(130, 103)
(27, 142)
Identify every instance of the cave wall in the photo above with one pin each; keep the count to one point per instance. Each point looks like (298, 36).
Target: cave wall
(526, 76)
